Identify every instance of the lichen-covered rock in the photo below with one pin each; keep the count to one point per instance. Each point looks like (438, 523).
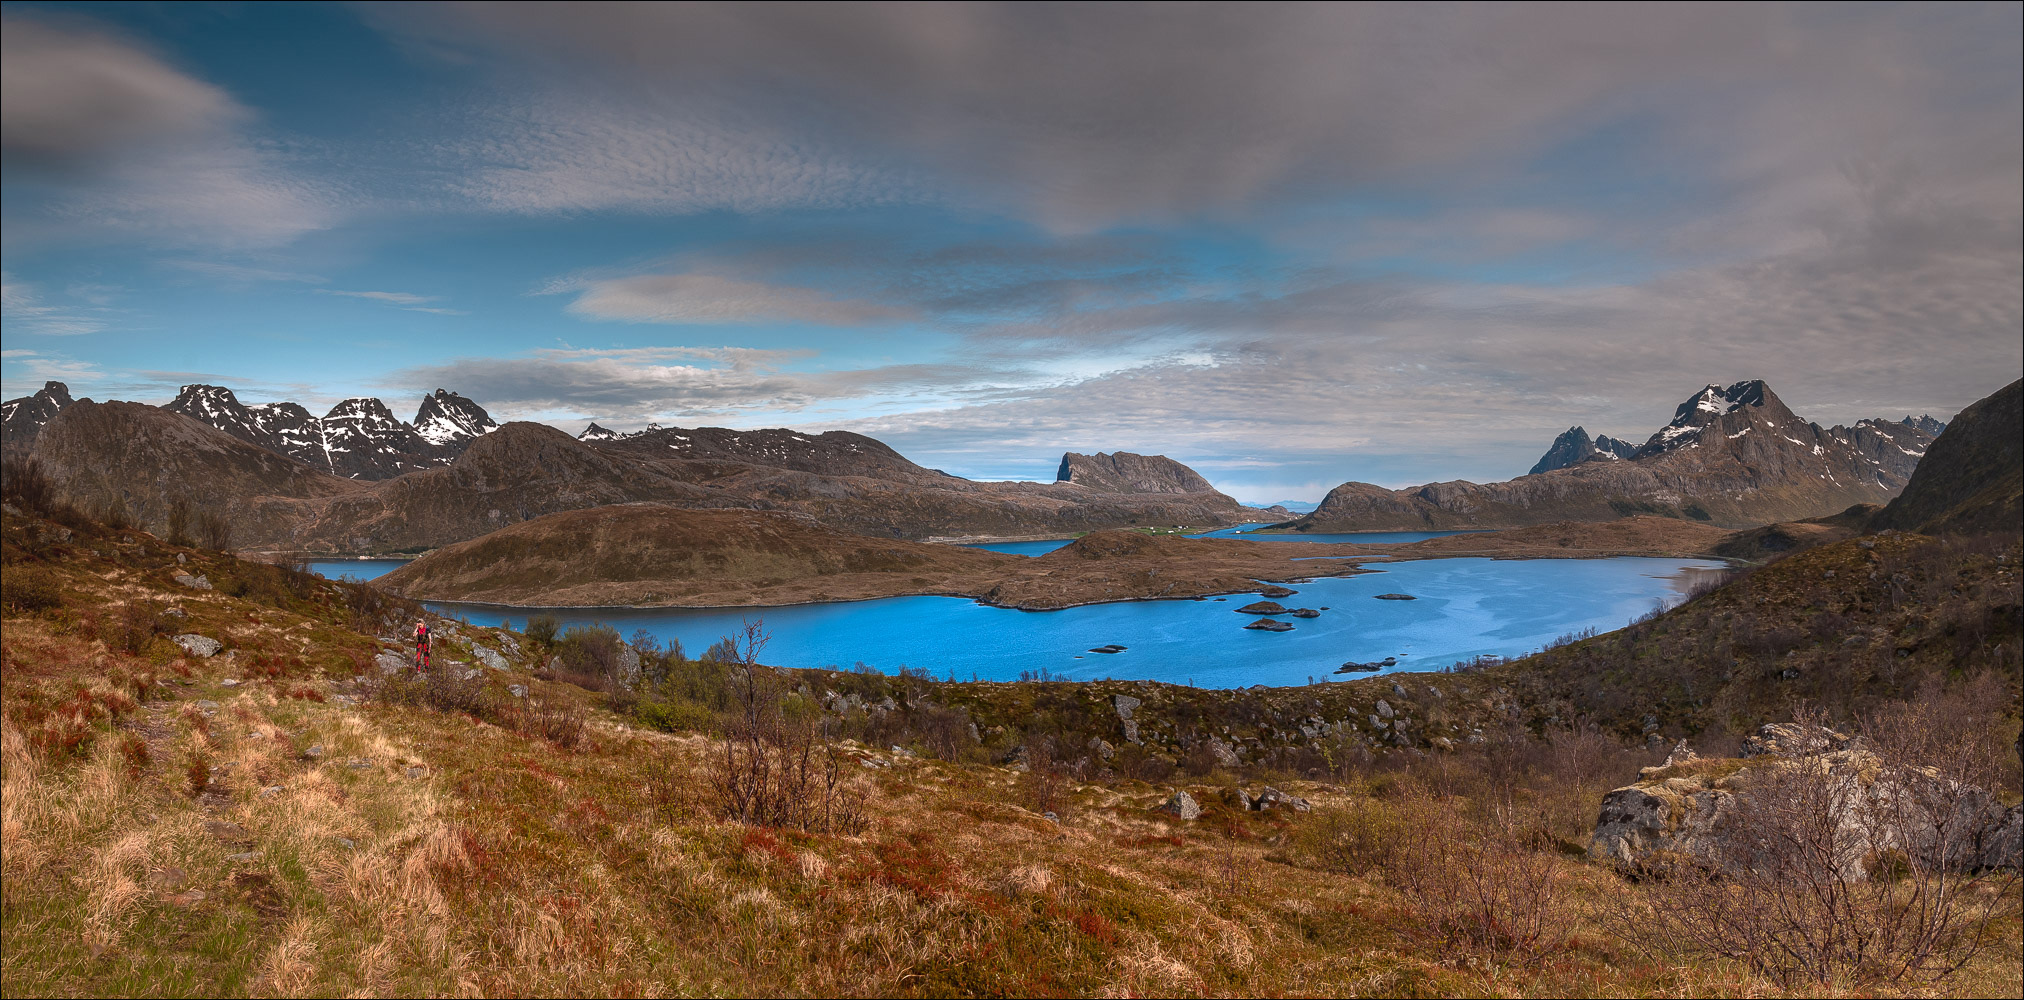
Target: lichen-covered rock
(1222, 752)
(198, 645)
(489, 658)
(1181, 806)
(1723, 812)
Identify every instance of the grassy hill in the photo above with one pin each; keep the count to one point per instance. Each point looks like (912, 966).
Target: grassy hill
(282, 818)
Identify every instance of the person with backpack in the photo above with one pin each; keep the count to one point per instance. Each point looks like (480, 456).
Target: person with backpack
(421, 645)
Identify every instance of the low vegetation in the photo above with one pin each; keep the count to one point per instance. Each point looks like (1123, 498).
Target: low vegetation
(580, 812)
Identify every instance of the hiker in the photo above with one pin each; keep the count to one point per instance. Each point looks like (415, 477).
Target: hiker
(421, 645)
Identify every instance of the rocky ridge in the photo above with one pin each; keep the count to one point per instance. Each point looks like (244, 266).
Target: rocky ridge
(1734, 456)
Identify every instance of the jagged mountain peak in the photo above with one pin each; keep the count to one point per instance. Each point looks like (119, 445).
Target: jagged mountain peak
(596, 433)
(23, 418)
(447, 417)
(1574, 447)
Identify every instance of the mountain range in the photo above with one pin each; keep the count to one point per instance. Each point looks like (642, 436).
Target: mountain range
(1732, 455)
(358, 481)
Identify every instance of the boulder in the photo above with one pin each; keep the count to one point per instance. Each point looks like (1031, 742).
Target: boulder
(196, 582)
(1224, 755)
(1718, 811)
(1273, 798)
(198, 645)
(1180, 806)
(489, 658)
(1384, 708)
(1270, 625)
(390, 662)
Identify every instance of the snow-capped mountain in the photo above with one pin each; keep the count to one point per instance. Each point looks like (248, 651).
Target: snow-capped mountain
(21, 419)
(358, 439)
(1573, 447)
(447, 418)
(1732, 455)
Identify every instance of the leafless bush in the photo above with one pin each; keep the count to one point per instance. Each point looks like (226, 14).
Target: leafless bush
(557, 720)
(214, 530)
(772, 770)
(1046, 784)
(178, 517)
(945, 731)
(1485, 887)
(130, 626)
(1843, 866)
(25, 485)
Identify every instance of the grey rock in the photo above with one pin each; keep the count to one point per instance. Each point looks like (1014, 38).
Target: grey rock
(207, 707)
(1222, 752)
(245, 856)
(197, 582)
(346, 843)
(1101, 748)
(1181, 806)
(1273, 798)
(517, 690)
(230, 682)
(491, 659)
(198, 645)
(313, 752)
(390, 662)
(468, 674)
(1384, 708)
(272, 790)
(360, 763)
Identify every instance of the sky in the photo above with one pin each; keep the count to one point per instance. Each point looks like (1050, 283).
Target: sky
(1290, 246)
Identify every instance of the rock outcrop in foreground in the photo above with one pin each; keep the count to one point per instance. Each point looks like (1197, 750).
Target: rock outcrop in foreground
(1734, 813)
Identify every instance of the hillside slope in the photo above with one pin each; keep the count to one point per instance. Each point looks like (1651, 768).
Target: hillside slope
(1972, 478)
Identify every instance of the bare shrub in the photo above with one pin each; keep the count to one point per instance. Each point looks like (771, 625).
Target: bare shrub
(1486, 888)
(214, 530)
(773, 770)
(31, 589)
(1853, 866)
(24, 484)
(1045, 783)
(131, 626)
(945, 731)
(178, 518)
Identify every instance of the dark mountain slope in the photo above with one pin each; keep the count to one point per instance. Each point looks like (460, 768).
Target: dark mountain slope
(1972, 477)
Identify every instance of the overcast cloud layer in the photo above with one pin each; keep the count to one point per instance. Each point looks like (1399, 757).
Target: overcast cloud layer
(1289, 245)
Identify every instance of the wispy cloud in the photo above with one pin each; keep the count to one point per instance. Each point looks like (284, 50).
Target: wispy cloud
(405, 300)
(710, 298)
(27, 310)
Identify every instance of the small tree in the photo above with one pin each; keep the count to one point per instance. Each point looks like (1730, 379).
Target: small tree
(773, 771)
(179, 523)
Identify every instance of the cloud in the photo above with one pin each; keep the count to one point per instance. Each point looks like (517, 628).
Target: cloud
(1083, 117)
(630, 386)
(241, 274)
(709, 298)
(27, 310)
(115, 141)
(27, 370)
(405, 300)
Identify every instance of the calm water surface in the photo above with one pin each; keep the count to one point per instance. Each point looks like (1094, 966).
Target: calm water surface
(1465, 608)
(1245, 531)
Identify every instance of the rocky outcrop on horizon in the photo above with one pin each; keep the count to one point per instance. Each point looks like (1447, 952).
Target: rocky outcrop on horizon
(1574, 447)
(22, 419)
(1734, 456)
(1125, 472)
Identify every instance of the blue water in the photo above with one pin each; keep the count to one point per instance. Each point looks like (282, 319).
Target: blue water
(1041, 548)
(1466, 608)
(357, 569)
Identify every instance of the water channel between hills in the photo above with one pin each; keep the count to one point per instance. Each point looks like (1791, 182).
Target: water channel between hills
(1464, 608)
